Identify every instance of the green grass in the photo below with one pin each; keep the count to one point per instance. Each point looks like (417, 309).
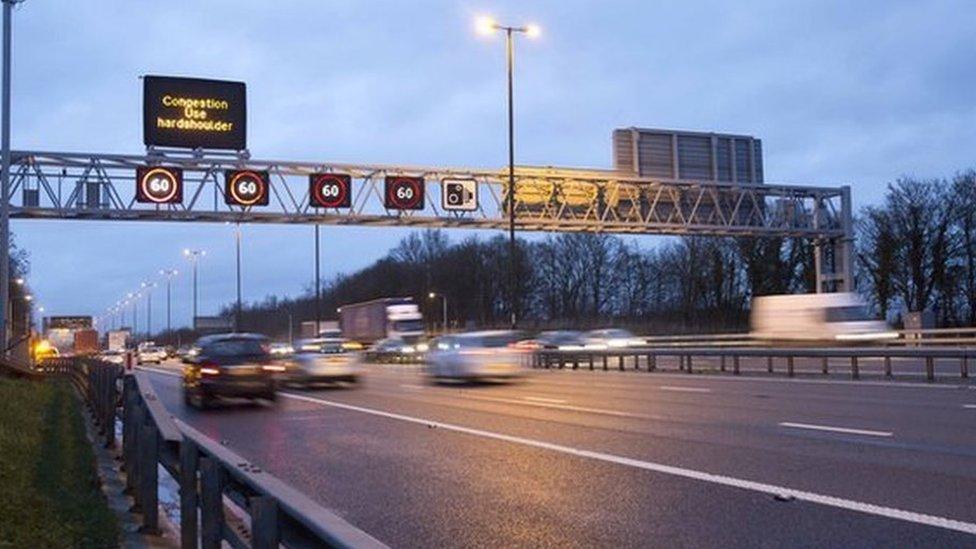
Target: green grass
(49, 493)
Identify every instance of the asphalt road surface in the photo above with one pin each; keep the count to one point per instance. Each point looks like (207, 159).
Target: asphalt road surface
(584, 459)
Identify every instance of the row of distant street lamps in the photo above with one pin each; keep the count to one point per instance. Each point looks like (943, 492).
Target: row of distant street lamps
(115, 315)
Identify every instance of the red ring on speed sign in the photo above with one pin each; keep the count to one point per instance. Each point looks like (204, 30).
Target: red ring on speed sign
(395, 183)
(153, 195)
(340, 181)
(259, 186)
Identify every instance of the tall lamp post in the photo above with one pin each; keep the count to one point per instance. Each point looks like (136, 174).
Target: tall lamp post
(147, 289)
(486, 26)
(5, 177)
(169, 275)
(433, 295)
(194, 257)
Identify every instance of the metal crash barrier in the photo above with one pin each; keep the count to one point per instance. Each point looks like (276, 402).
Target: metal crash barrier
(597, 358)
(212, 479)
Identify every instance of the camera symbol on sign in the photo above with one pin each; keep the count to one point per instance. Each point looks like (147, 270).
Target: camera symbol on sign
(459, 194)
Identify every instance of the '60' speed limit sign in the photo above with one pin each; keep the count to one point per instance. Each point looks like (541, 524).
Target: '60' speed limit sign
(404, 193)
(159, 185)
(330, 190)
(246, 187)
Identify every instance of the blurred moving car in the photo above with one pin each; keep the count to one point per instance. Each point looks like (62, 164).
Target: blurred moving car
(396, 350)
(476, 355)
(612, 338)
(323, 360)
(113, 356)
(156, 355)
(229, 365)
(827, 317)
(43, 350)
(561, 339)
(278, 349)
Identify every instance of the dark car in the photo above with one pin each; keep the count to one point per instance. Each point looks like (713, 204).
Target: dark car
(229, 365)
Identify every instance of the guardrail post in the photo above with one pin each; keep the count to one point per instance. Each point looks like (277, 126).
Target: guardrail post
(681, 363)
(825, 365)
(688, 363)
(735, 365)
(855, 371)
(605, 361)
(789, 366)
(929, 368)
(211, 504)
(651, 362)
(264, 523)
(575, 361)
(590, 360)
(964, 367)
(189, 460)
(769, 364)
(620, 362)
(132, 424)
(721, 363)
(887, 366)
(149, 476)
(110, 412)
(562, 361)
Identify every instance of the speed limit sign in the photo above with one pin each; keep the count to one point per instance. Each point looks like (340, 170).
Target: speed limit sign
(246, 187)
(330, 190)
(159, 185)
(404, 193)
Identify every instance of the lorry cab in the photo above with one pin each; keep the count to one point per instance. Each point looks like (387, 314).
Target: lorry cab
(404, 322)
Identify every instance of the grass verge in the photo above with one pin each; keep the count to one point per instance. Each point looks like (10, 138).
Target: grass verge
(49, 494)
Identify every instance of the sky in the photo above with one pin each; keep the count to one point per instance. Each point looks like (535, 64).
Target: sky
(840, 92)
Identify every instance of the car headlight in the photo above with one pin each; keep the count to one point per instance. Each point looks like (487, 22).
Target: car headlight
(407, 349)
(423, 348)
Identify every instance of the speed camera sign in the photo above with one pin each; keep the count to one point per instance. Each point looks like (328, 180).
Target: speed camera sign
(246, 187)
(159, 185)
(459, 194)
(403, 193)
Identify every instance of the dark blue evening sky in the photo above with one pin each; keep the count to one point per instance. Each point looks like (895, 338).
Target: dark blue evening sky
(840, 92)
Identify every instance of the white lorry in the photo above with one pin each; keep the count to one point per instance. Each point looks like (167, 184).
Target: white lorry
(384, 318)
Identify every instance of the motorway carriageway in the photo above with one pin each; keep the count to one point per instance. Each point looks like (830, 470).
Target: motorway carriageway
(619, 458)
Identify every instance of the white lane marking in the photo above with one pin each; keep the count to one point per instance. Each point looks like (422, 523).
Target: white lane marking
(549, 400)
(679, 389)
(569, 407)
(845, 430)
(770, 489)
(969, 406)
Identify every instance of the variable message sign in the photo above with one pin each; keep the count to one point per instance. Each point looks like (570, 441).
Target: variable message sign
(193, 112)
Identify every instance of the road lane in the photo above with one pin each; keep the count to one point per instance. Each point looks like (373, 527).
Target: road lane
(709, 441)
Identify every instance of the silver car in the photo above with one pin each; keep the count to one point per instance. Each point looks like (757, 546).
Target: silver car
(323, 360)
(476, 355)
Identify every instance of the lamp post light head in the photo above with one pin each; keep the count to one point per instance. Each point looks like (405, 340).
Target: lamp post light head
(431, 295)
(533, 31)
(28, 297)
(19, 281)
(485, 25)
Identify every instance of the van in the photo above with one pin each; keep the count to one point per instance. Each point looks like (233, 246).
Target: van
(826, 317)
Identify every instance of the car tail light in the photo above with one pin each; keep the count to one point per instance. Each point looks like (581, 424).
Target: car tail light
(209, 369)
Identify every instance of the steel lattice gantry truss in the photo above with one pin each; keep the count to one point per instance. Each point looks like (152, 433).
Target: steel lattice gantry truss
(49, 185)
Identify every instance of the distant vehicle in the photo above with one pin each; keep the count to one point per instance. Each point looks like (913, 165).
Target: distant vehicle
(113, 356)
(85, 342)
(43, 350)
(155, 355)
(561, 339)
(826, 317)
(323, 360)
(476, 355)
(229, 365)
(388, 317)
(612, 338)
(309, 330)
(396, 350)
(281, 349)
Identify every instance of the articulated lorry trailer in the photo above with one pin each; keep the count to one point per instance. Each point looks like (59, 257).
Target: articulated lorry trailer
(387, 317)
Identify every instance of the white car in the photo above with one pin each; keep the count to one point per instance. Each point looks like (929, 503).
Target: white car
(156, 355)
(476, 355)
(611, 338)
(113, 357)
(323, 360)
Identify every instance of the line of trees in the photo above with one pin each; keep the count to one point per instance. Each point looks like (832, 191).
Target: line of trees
(914, 251)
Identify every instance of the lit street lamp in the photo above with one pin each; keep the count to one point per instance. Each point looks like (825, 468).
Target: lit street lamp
(486, 26)
(147, 288)
(443, 297)
(194, 257)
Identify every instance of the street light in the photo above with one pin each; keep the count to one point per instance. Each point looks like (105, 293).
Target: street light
(168, 274)
(194, 257)
(5, 176)
(147, 289)
(433, 295)
(485, 26)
